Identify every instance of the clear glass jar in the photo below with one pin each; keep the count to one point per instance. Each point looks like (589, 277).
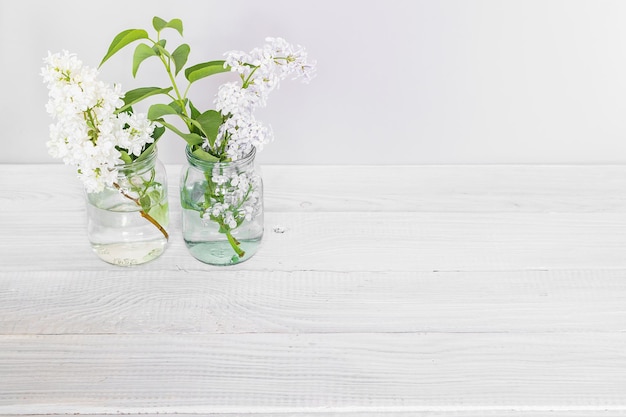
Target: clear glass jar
(222, 205)
(127, 222)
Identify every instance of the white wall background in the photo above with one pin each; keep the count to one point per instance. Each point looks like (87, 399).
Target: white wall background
(399, 81)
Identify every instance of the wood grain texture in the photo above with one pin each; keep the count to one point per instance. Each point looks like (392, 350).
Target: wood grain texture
(311, 372)
(467, 412)
(43, 225)
(461, 189)
(225, 302)
(378, 291)
(451, 188)
(343, 241)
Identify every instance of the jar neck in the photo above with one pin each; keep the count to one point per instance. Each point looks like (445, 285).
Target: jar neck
(145, 162)
(240, 164)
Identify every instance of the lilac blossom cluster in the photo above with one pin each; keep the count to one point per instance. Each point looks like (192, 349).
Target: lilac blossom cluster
(88, 133)
(235, 198)
(261, 71)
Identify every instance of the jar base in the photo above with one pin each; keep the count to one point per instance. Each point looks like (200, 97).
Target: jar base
(131, 253)
(220, 252)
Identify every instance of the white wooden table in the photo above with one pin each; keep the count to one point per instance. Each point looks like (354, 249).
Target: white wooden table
(378, 291)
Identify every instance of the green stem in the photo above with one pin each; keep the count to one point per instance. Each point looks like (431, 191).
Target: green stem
(246, 82)
(94, 133)
(187, 89)
(234, 243)
(143, 213)
(208, 194)
(179, 97)
(245, 198)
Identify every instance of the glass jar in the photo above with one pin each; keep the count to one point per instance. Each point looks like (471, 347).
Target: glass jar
(222, 205)
(126, 222)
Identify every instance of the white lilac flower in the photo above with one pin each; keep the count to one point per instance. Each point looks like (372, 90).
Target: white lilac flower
(237, 60)
(261, 71)
(290, 59)
(243, 133)
(233, 99)
(137, 134)
(88, 132)
(235, 198)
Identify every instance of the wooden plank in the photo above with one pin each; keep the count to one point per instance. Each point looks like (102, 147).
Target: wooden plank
(135, 301)
(355, 242)
(448, 188)
(467, 412)
(49, 215)
(480, 188)
(312, 372)
(397, 291)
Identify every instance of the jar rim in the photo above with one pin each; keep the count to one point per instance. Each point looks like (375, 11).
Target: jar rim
(197, 162)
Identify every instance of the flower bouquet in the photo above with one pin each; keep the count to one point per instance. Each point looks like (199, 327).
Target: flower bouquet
(221, 190)
(113, 150)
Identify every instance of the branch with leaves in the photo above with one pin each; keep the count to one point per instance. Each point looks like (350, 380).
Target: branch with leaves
(201, 125)
(227, 133)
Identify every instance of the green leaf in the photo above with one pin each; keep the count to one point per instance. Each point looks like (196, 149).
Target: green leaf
(145, 201)
(194, 112)
(186, 201)
(155, 194)
(196, 126)
(125, 109)
(122, 39)
(191, 138)
(158, 23)
(159, 110)
(204, 155)
(145, 152)
(176, 24)
(204, 69)
(180, 56)
(210, 122)
(176, 106)
(159, 213)
(142, 52)
(157, 133)
(134, 96)
(125, 157)
(159, 47)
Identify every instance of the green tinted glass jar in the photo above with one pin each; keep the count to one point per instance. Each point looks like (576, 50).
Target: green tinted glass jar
(222, 209)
